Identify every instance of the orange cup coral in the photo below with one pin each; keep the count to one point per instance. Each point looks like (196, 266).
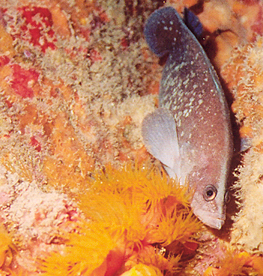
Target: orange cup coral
(135, 219)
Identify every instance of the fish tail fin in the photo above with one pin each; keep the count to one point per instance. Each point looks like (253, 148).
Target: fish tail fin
(162, 31)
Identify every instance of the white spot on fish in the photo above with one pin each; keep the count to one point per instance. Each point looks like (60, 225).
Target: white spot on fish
(186, 81)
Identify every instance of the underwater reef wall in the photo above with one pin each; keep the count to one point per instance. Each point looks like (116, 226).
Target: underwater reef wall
(246, 85)
(76, 81)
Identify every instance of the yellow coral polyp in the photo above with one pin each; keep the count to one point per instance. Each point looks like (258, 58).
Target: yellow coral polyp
(128, 212)
(85, 252)
(142, 270)
(237, 263)
(6, 248)
(142, 203)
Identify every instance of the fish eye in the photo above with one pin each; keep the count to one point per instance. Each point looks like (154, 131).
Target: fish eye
(210, 192)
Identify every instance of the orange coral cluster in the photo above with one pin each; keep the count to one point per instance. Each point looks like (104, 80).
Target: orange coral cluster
(237, 264)
(137, 220)
(7, 249)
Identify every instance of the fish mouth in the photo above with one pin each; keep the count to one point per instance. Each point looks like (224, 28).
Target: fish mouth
(216, 221)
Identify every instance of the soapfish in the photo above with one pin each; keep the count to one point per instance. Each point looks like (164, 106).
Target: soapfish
(190, 132)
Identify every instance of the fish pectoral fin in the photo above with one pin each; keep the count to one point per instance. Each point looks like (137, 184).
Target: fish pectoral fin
(160, 138)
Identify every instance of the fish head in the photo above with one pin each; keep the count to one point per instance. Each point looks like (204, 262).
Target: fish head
(209, 193)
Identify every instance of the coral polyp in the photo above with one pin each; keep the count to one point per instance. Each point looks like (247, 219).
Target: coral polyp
(130, 214)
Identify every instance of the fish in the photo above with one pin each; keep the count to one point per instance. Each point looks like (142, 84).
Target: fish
(190, 132)
(193, 23)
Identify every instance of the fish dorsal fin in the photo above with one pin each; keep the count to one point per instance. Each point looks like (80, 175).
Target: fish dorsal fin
(160, 138)
(193, 23)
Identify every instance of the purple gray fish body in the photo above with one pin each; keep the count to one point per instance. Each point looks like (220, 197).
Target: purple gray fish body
(190, 133)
